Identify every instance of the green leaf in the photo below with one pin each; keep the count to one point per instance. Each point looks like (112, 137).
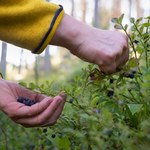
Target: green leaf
(23, 84)
(114, 20)
(118, 26)
(63, 143)
(133, 62)
(120, 18)
(132, 20)
(133, 28)
(148, 17)
(95, 101)
(146, 24)
(139, 49)
(32, 85)
(134, 108)
(126, 26)
(139, 20)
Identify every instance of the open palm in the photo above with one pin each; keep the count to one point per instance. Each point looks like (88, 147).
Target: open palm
(44, 113)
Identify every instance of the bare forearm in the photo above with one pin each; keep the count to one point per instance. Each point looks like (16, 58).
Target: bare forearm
(68, 32)
(107, 49)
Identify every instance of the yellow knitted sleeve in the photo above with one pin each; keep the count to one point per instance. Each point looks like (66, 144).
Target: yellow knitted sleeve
(29, 24)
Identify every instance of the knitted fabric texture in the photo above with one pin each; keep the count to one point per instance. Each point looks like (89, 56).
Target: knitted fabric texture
(29, 24)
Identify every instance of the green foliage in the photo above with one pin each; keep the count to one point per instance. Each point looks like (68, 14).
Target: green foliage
(102, 111)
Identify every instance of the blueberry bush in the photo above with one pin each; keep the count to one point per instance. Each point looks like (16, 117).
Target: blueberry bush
(102, 112)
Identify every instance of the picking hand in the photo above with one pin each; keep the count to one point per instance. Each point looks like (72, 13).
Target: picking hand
(108, 49)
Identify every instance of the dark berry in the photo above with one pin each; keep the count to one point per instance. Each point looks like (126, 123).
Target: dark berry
(97, 103)
(111, 81)
(44, 130)
(71, 100)
(129, 90)
(133, 71)
(107, 132)
(131, 76)
(136, 41)
(110, 93)
(97, 110)
(93, 76)
(53, 136)
(26, 101)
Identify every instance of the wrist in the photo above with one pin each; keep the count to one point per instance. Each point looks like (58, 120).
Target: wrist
(68, 34)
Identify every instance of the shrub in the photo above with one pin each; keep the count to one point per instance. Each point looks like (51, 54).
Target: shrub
(106, 111)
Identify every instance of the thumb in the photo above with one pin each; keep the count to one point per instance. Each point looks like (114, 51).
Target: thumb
(63, 95)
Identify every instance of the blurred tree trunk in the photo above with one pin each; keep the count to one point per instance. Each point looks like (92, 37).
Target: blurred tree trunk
(47, 60)
(36, 70)
(68, 54)
(116, 8)
(84, 9)
(138, 9)
(3, 59)
(20, 63)
(130, 8)
(72, 8)
(96, 21)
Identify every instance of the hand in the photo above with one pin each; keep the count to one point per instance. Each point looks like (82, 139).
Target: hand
(107, 49)
(44, 113)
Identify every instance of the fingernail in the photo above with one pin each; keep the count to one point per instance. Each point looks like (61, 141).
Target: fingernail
(63, 94)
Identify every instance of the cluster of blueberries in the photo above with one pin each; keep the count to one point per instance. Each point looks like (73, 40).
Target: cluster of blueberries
(26, 101)
(130, 74)
(45, 132)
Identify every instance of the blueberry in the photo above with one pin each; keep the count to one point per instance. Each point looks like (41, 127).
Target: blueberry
(53, 136)
(71, 100)
(131, 76)
(110, 93)
(32, 102)
(93, 76)
(26, 101)
(97, 110)
(136, 41)
(44, 130)
(111, 81)
(133, 71)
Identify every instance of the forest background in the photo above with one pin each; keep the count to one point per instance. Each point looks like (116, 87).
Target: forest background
(56, 63)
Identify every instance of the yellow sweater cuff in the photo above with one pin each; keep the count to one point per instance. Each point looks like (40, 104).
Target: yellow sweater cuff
(51, 31)
(30, 24)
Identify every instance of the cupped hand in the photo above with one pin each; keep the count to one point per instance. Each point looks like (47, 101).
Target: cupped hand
(44, 113)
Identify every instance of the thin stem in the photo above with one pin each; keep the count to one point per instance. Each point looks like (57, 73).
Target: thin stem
(147, 27)
(132, 96)
(5, 135)
(80, 107)
(146, 55)
(85, 84)
(132, 44)
(130, 41)
(129, 98)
